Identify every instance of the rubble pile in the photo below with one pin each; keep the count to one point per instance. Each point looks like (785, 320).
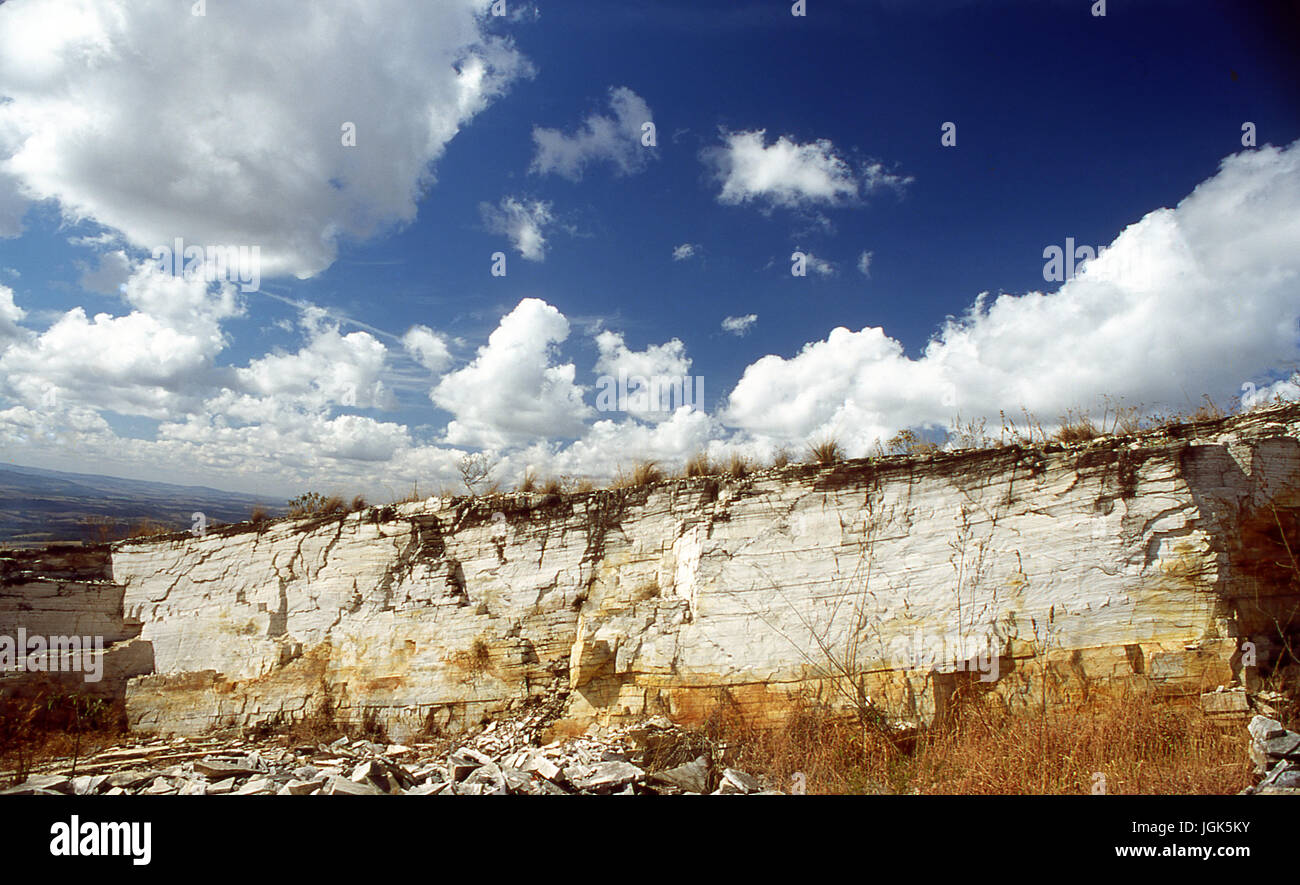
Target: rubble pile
(1276, 754)
(502, 759)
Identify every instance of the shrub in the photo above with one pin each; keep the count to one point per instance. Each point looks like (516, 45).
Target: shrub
(1075, 430)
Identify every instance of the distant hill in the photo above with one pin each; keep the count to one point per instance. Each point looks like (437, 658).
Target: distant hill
(38, 505)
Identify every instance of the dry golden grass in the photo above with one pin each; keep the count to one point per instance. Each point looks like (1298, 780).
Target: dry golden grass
(643, 474)
(781, 458)
(553, 486)
(738, 467)
(358, 503)
(258, 514)
(528, 483)
(826, 451)
(50, 724)
(149, 528)
(1139, 744)
(1076, 429)
(699, 465)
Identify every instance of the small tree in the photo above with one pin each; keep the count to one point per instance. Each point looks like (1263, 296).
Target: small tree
(475, 468)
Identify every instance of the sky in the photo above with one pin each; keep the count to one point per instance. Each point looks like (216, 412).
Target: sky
(430, 229)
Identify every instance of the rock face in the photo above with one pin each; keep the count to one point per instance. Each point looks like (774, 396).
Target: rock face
(65, 596)
(1126, 561)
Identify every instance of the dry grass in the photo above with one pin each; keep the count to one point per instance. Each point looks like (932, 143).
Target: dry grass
(781, 458)
(1076, 429)
(826, 451)
(149, 528)
(699, 465)
(528, 484)
(738, 467)
(358, 503)
(50, 724)
(1139, 744)
(644, 473)
(553, 486)
(258, 515)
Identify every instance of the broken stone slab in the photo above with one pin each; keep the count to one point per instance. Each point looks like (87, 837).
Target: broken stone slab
(430, 789)
(193, 788)
(258, 786)
(1263, 729)
(1285, 775)
(89, 784)
(1219, 702)
(540, 765)
(489, 778)
(605, 777)
(42, 785)
(692, 777)
(736, 781)
(339, 786)
(128, 780)
(215, 769)
(303, 787)
(222, 787)
(462, 763)
(372, 772)
(161, 786)
(1286, 746)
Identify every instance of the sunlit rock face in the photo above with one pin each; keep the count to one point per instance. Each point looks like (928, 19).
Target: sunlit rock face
(1124, 564)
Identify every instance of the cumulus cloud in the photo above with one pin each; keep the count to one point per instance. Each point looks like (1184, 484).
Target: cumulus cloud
(109, 276)
(10, 316)
(602, 138)
(511, 393)
(332, 368)
(522, 221)
(155, 361)
(657, 368)
(428, 348)
(790, 175)
(864, 264)
(229, 128)
(739, 326)
(685, 251)
(1190, 300)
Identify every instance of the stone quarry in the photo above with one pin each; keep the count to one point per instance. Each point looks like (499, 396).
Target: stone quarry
(1159, 561)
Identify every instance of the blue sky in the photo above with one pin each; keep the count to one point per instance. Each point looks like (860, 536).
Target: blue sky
(775, 133)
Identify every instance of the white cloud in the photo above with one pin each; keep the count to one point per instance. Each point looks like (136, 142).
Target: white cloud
(227, 128)
(331, 369)
(108, 278)
(511, 393)
(820, 266)
(428, 348)
(685, 251)
(665, 363)
(1195, 299)
(739, 326)
(521, 221)
(790, 175)
(10, 316)
(864, 264)
(616, 140)
(155, 361)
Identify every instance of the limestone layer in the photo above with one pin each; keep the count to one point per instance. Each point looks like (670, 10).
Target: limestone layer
(1122, 561)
